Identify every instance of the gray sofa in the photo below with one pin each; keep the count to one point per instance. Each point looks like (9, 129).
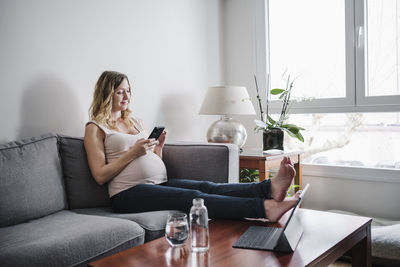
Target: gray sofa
(53, 213)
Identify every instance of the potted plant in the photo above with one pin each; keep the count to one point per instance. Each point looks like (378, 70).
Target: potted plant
(273, 129)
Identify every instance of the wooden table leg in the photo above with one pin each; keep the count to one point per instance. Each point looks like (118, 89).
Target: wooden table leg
(264, 173)
(299, 173)
(361, 252)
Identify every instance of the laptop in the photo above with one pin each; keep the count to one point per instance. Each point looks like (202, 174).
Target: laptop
(283, 239)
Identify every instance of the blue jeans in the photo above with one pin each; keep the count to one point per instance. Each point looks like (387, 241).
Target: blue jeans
(225, 201)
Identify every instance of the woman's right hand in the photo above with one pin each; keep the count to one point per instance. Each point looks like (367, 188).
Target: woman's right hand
(141, 147)
(102, 171)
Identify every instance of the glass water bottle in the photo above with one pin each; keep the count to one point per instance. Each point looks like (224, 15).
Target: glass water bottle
(199, 235)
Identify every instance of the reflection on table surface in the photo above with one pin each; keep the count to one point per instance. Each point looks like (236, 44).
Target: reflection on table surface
(183, 256)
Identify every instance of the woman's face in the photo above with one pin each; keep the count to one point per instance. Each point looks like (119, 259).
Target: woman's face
(122, 96)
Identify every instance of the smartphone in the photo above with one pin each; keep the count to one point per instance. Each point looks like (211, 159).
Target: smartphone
(157, 131)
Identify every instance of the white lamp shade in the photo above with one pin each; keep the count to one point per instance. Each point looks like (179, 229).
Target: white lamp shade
(227, 100)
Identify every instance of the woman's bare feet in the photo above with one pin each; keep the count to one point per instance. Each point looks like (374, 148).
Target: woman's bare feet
(282, 180)
(275, 209)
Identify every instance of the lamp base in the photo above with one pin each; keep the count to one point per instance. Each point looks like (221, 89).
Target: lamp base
(227, 130)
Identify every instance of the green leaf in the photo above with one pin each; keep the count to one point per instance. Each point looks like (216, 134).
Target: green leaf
(292, 128)
(243, 173)
(289, 132)
(297, 135)
(249, 175)
(271, 120)
(299, 128)
(277, 91)
(300, 137)
(289, 125)
(245, 180)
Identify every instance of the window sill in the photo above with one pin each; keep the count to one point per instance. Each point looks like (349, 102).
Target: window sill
(352, 173)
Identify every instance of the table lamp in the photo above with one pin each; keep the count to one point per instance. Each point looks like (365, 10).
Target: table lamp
(226, 101)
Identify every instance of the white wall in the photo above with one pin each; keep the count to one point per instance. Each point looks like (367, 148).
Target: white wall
(365, 191)
(243, 57)
(53, 51)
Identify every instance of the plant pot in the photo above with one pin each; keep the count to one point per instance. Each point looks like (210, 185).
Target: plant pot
(273, 139)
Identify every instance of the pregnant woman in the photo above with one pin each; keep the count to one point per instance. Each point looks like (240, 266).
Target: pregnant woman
(120, 154)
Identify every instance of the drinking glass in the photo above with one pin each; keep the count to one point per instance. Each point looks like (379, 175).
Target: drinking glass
(177, 229)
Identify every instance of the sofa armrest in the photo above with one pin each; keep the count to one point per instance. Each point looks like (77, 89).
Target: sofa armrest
(202, 161)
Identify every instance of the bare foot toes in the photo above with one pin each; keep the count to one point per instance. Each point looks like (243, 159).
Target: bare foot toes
(275, 209)
(282, 180)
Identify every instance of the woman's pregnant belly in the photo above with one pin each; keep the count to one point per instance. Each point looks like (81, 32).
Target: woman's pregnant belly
(147, 169)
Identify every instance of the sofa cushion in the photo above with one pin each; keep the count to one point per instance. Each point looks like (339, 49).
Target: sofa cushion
(82, 189)
(153, 222)
(31, 183)
(66, 239)
(386, 242)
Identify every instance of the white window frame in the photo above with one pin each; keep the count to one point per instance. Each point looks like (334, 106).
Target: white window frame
(356, 71)
(355, 100)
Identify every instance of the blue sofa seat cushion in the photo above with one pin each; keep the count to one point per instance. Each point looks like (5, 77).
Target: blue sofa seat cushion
(153, 222)
(31, 181)
(66, 239)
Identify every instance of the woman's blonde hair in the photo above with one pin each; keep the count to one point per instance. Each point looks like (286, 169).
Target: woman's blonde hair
(100, 109)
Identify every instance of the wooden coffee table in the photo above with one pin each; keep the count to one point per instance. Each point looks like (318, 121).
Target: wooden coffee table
(326, 237)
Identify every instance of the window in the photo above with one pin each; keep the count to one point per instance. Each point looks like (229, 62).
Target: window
(383, 21)
(304, 52)
(346, 57)
(346, 54)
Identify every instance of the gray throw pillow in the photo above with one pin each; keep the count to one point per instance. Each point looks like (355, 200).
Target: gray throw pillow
(82, 190)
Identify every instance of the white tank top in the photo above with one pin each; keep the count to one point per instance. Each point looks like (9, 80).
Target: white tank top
(146, 169)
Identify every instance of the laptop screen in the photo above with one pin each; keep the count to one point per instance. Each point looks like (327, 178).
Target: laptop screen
(293, 227)
(273, 238)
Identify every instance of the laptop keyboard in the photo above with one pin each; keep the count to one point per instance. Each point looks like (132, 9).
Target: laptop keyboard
(259, 237)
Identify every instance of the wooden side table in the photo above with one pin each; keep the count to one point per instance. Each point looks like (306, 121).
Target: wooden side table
(257, 160)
